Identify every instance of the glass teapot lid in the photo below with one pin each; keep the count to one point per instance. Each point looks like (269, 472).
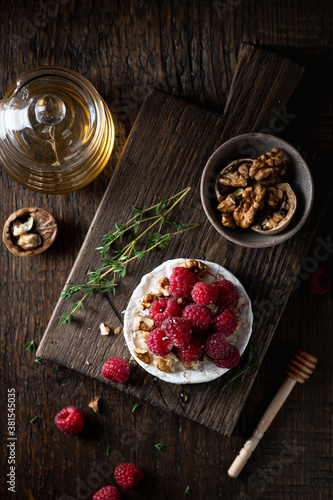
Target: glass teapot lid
(51, 120)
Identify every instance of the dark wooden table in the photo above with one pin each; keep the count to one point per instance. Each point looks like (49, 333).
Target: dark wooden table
(190, 50)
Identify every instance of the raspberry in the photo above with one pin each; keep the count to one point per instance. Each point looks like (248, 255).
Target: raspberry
(116, 369)
(320, 281)
(107, 493)
(231, 360)
(191, 352)
(217, 346)
(128, 476)
(226, 322)
(199, 317)
(204, 294)
(181, 282)
(228, 294)
(70, 420)
(161, 309)
(158, 343)
(178, 330)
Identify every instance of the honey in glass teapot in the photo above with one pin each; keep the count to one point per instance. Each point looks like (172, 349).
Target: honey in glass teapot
(56, 132)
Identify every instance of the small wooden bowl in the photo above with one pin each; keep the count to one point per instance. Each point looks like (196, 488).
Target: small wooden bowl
(253, 145)
(44, 224)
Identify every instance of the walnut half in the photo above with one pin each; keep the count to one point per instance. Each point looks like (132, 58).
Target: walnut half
(145, 323)
(143, 355)
(148, 299)
(165, 364)
(249, 205)
(162, 286)
(282, 207)
(236, 173)
(268, 167)
(228, 221)
(29, 241)
(194, 266)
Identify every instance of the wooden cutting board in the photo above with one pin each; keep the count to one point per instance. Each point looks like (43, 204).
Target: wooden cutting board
(166, 152)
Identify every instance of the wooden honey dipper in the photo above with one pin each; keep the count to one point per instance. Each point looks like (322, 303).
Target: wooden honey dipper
(299, 369)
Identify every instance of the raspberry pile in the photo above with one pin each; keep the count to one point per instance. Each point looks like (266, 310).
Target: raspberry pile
(195, 320)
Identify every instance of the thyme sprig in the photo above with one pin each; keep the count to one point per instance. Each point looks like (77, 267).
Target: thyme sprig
(115, 261)
(135, 407)
(187, 491)
(250, 364)
(30, 346)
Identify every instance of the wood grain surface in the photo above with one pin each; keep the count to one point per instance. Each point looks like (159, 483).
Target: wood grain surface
(190, 50)
(166, 152)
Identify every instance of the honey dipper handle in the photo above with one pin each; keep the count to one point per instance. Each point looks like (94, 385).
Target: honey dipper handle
(262, 427)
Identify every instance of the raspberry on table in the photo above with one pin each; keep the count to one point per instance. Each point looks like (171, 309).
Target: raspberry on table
(226, 322)
(217, 346)
(116, 369)
(70, 420)
(107, 493)
(192, 351)
(128, 476)
(181, 282)
(178, 330)
(199, 317)
(161, 309)
(320, 281)
(231, 360)
(228, 294)
(204, 294)
(158, 343)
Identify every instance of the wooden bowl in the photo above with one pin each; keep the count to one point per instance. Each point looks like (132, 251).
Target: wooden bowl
(253, 145)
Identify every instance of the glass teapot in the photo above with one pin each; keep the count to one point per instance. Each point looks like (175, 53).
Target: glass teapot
(56, 132)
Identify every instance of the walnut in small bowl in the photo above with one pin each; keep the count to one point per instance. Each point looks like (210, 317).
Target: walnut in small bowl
(29, 231)
(249, 189)
(281, 207)
(251, 195)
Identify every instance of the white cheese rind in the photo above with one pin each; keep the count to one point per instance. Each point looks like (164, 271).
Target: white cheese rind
(208, 370)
